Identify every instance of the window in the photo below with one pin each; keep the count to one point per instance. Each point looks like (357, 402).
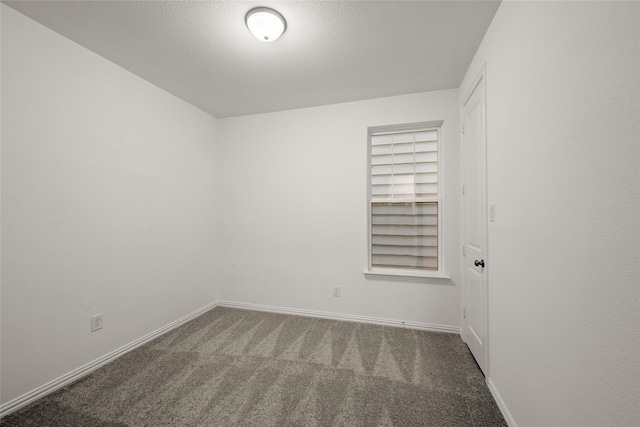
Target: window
(404, 200)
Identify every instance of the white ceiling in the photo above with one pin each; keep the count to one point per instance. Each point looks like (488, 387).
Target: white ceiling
(331, 52)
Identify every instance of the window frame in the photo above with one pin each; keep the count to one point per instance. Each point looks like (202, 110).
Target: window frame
(407, 273)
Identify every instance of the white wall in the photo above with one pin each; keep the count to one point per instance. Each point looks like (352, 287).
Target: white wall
(293, 220)
(564, 253)
(107, 206)
(112, 191)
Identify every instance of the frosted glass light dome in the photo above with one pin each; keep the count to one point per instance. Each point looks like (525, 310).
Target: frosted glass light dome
(265, 24)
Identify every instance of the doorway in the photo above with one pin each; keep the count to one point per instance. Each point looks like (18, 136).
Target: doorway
(474, 222)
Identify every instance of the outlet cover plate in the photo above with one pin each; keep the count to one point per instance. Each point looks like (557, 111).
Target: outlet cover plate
(96, 322)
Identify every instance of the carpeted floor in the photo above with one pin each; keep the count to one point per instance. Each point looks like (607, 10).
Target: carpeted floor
(248, 368)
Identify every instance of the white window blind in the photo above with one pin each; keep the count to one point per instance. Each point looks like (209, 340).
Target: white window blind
(404, 199)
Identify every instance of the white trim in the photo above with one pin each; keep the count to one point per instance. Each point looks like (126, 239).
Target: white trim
(441, 202)
(405, 274)
(438, 125)
(501, 405)
(479, 77)
(340, 316)
(80, 372)
(434, 124)
(84, 370)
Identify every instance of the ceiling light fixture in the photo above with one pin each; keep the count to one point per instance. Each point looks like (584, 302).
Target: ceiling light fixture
(265, 24)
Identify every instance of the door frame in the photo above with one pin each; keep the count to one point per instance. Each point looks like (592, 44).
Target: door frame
(480, 81)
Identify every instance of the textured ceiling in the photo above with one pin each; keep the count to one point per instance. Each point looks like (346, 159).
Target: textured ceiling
(331, 52)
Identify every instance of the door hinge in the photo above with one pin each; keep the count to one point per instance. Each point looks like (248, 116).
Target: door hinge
(463, 190)
(462, 128)
(464, 313)
(464, 251)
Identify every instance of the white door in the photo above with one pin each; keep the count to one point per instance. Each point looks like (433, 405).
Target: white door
(474, 230)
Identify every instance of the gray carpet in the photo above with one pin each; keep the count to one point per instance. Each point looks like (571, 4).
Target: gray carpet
(234, 367)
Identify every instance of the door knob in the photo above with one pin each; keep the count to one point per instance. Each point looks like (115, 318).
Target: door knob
(479, 263)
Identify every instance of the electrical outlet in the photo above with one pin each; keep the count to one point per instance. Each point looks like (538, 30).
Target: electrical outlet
(336, 291)
(96, 322)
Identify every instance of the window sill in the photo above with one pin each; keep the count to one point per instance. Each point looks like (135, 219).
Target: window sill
(401, 274)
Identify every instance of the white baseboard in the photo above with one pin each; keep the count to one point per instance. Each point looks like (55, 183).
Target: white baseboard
(80, 372)
(340, 316)
(76, 374)
(503, 407)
